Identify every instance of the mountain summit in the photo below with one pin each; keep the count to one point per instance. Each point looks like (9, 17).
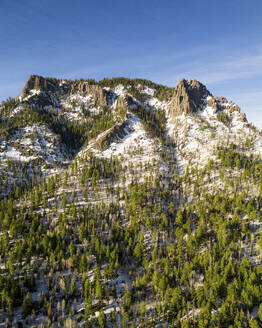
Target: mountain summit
(189, 96)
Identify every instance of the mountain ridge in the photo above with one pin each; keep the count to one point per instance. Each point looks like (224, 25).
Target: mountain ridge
(64, 104)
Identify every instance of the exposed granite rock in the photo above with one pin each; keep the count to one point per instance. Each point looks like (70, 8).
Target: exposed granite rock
(214, 103)
(188, 96)
(116, 133)
(220, 103)
(47, 96)
(95, 91)
(49, 88)
(121, 102)
(38, 83)
(191, 95)
(243, 117)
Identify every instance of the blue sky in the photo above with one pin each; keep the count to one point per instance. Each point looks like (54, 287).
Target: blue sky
(217, 42)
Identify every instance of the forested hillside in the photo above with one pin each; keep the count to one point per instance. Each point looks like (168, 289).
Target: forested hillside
(125, 203)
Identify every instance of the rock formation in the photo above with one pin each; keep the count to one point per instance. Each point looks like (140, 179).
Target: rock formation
(188, 96)
(121, 102)
(38, 83)
(114, 134)
(95, 91)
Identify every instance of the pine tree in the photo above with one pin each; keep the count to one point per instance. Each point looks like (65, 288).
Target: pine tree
(27, 305)
(101, 319)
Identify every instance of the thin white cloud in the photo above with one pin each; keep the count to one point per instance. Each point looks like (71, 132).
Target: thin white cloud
(237, 68)
(252, 99)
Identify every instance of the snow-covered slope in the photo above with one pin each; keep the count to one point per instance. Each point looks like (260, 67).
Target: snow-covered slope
(198, 135)
(135, 138)
(197, 123)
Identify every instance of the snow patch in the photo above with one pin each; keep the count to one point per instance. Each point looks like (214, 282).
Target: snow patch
(15, 155)
(120, 90)
(136, 137)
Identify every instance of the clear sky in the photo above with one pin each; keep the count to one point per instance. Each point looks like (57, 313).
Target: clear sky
(217, 42)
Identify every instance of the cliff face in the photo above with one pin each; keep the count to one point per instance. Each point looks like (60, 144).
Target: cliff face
(95, 91)
(121, 102)
(188, 96)
(220, 103)
(49, 88)
(36, 82)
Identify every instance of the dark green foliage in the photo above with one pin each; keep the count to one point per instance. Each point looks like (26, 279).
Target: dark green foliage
(224, 118)
(153, 121)
(27, 306)
(232, 158)
(162, 92)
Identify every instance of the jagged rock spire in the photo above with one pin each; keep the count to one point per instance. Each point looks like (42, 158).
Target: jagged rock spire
(95, 90)
(188, 97)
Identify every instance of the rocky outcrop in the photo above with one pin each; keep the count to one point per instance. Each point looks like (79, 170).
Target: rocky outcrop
(49, 87)
(95, 91)
(221, 103)
(188, 97)
(121, 103)
(36, 82)
(214, 103)
(115, 134)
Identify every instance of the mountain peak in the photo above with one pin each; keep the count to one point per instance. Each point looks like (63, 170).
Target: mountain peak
(36, 82)
(188, 96)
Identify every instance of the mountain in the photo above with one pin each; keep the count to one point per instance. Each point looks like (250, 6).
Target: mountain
(126, 203)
